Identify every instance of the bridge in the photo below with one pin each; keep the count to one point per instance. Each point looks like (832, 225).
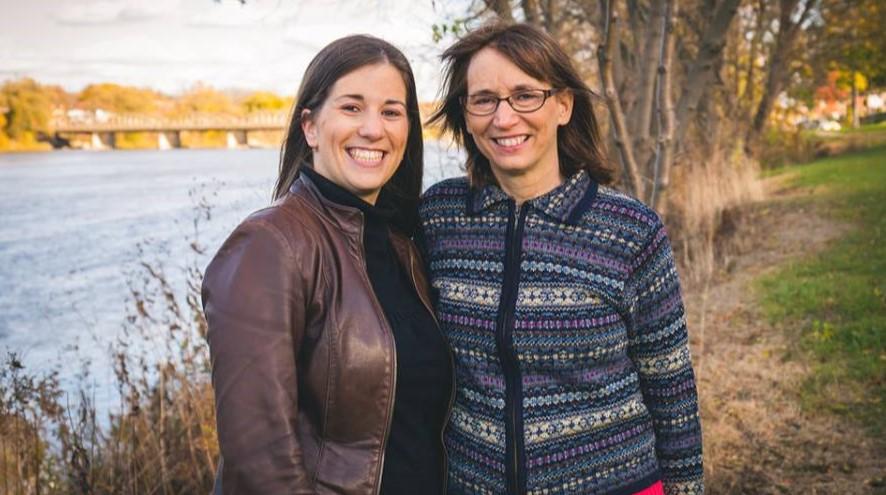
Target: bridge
(102, 132)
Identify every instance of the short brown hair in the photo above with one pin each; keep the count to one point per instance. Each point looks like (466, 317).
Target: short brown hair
(537, 54)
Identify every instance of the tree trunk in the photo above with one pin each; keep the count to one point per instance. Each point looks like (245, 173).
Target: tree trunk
(605, 54)
(750, 82)
(665, 110)
(779, 64)
(855, 119)
(641, 117)
(530, 10)
(502, 8)
(552, 17)
(702, 69)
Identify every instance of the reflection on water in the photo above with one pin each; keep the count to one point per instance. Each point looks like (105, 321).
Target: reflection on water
(71, 224)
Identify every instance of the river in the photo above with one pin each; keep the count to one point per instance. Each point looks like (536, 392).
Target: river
(74, 226)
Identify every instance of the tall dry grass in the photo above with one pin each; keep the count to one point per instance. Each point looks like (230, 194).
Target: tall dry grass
(705, 213)
(704, 209)
(161, 437)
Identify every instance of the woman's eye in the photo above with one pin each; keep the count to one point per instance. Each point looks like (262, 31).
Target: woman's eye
(350, 108)
(525, 96)
(483, 100)
(393, 113)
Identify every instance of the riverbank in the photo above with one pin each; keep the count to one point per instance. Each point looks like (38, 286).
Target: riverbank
(788, 339)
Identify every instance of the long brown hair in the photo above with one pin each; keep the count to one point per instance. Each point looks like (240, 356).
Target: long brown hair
(540, 56)
(334, 61)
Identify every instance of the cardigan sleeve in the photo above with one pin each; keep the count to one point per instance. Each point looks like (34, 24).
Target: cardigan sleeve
(658, 345)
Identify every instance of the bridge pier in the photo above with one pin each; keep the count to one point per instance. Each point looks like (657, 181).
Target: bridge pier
(167, 140)
(237, 139)
(103, 140)
(58, 141)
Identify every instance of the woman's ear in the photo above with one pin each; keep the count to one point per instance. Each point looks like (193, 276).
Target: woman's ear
(309, 128)
(565, 100)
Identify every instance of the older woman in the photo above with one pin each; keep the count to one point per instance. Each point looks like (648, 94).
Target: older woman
(329, 370)
(558, 295)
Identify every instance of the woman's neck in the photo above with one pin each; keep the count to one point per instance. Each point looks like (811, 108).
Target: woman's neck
(523, 187)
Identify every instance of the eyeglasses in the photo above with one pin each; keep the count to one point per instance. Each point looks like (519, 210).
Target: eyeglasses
(523, 101)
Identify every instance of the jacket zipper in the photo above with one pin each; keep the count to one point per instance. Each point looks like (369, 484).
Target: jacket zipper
(427, 306)
(393, 348)
(505, 341)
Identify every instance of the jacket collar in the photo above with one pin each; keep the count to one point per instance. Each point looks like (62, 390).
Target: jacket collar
(565, 203)
(349, 219)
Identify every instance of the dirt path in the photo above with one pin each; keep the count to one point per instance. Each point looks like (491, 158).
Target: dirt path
(757, 440)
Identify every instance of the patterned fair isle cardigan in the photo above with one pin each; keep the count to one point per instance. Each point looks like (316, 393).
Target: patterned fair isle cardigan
(566, 321)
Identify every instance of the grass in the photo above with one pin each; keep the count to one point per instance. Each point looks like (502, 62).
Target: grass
(878, 127)
(836, 300)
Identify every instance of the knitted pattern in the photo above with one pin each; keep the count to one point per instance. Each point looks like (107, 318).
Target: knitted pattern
(567, 325)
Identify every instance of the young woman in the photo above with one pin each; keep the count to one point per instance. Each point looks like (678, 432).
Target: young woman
(558, 295)
(330, 372)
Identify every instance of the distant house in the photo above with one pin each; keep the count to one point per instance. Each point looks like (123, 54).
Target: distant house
(102, 116)
(77, 115)
(83, 115)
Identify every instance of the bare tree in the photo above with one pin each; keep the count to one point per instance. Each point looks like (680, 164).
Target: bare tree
(793, 17)
(623, 143)
(702, 69)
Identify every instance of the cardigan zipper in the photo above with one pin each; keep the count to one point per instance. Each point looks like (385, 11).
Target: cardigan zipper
(514, 448)
(430, 309)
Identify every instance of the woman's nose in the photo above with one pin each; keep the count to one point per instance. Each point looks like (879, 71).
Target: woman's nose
(371, 127)
(504, 115)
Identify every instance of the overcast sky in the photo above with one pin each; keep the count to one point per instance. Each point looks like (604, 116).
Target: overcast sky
(171, 44)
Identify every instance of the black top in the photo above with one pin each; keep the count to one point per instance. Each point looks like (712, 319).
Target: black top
(414, 454)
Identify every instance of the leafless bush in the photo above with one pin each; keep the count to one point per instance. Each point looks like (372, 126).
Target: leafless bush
(161, 438)
(29, 403)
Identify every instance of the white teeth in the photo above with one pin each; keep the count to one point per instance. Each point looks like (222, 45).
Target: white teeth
(513, 141)
(365, 155)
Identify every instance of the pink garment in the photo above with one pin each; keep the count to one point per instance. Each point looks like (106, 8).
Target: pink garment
(654, 489)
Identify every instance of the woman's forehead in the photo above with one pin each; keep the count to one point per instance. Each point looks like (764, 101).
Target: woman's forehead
(377, 81)
(491, 70)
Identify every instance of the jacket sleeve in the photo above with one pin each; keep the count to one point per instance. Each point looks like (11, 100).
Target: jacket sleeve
(658, 344)
(255, 304)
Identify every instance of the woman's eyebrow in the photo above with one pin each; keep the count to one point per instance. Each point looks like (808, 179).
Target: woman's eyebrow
(483, 92)
(359, 97)
(513, 89)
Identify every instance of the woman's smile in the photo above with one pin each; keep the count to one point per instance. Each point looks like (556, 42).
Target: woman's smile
(359, 134)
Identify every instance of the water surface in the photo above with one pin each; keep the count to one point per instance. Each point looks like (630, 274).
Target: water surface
(71, 227)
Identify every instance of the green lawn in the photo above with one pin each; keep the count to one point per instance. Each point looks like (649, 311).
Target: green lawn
(833, 304)
(878, 127)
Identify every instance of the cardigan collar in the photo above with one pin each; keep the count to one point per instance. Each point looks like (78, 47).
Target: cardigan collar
(565, 203)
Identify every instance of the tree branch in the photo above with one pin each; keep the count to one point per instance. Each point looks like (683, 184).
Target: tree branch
(605, 54)
(502, 8)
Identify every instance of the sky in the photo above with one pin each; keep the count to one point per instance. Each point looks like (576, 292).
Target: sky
(170, 45)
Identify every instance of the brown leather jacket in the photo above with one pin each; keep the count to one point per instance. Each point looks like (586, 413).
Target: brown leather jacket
(303, 359)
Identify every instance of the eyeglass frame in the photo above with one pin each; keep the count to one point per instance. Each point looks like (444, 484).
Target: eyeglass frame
(547, 93)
